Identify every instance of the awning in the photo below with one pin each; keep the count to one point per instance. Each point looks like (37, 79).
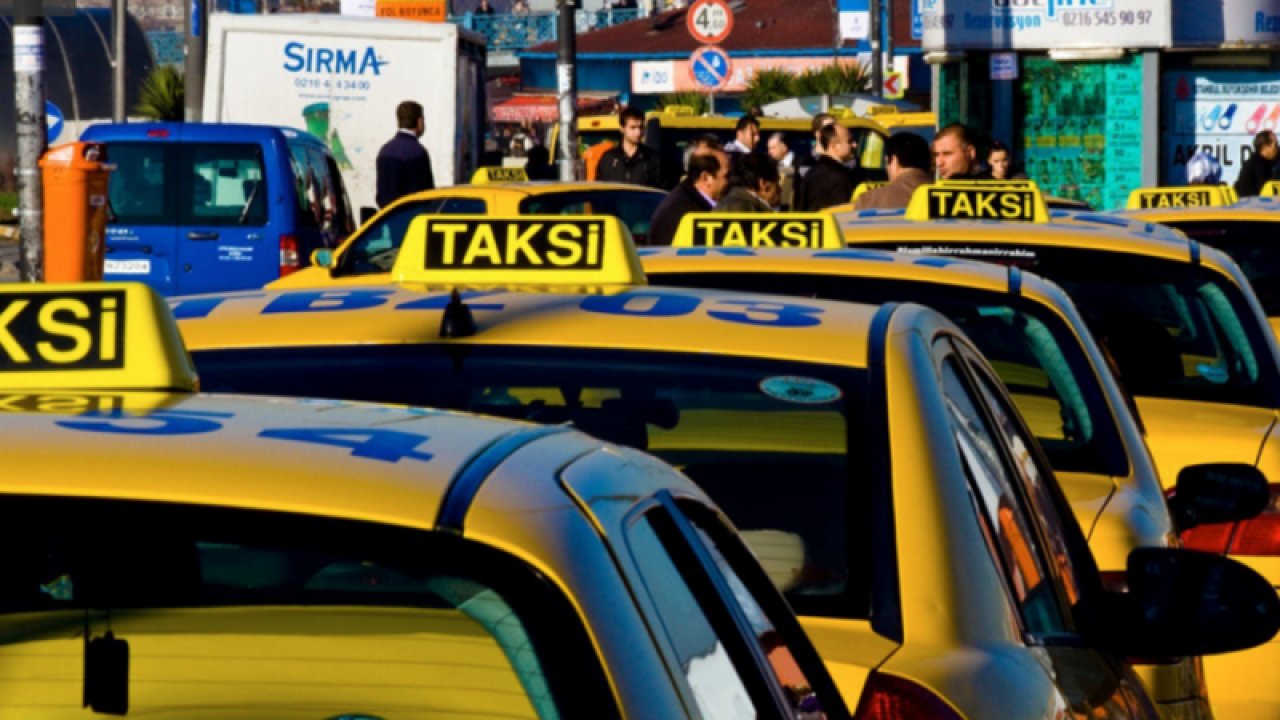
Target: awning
(545, 108)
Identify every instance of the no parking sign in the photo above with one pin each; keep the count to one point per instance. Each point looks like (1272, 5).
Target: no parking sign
(710, 67)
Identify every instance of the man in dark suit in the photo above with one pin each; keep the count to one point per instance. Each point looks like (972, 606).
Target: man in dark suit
(403, 164)
(700, 190)
(831, 181)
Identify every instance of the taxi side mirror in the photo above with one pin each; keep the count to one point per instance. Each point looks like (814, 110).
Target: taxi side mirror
(1217, 493)
(1184, 602)
(322, 257)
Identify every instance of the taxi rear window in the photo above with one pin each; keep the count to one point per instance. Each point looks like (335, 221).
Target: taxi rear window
(1175, 330)
(634, 209)
(1254, 247)
(779, 446)
(266, 611)
(1034, 352)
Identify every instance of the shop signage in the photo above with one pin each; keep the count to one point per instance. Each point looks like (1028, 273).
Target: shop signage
(1045, 24)
(1232, 23)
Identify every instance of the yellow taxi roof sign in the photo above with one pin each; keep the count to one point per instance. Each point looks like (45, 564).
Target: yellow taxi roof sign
(866, 187)
(1270, 188)
(1175, 197)
(815, 230)
(1010, 200)
(90, 337)
(574, 250)
(489, 174)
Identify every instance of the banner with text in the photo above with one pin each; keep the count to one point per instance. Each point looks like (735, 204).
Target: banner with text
(1219, 112)
(1045, 24)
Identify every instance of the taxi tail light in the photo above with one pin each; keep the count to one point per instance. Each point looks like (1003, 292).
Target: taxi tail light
(1260, 535)
(886, 697)
(288, 254)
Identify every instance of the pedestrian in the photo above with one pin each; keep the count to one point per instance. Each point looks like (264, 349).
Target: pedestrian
(955, 156)
(831, 181)
(746, 133)
(521, 7)
(403, 165)
(484, 8)
(538, 165)
(1203, 169)
(1260, 167)
(631, 161)
(907, 162)
(700, 190)
(753, 186)
(1000, 163)
(785, 158)
(805, 164)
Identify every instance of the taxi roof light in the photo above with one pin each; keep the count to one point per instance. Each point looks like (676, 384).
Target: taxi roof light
(490, 175)
(93, 337)
(1006, 200)
(1270, 188)
(811, 230)
(1175, 197)
(544, 250)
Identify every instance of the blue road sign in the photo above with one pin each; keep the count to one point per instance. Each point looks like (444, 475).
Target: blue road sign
(710, 67)
(917, 25)
(53, 121)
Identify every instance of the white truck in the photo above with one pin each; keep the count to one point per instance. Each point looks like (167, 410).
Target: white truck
(341, 78)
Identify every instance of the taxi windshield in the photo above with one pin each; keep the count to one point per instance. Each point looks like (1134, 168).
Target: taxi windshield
(1033, 350)
(777, 445)
(262, 613)
(375, 249)
(1175, 330)
(1252, 244)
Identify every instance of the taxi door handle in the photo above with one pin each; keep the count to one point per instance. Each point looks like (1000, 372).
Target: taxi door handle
(195, 235)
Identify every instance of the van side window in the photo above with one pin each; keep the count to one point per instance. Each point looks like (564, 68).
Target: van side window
(302, 183)
(137, 188)
(224, 184)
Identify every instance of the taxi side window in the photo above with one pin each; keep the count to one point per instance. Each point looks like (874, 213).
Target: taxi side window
(376, 249)
(734, 655)
(1035, 479)
(1001, 508)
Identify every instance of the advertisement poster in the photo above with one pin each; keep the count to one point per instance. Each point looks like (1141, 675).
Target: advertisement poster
(1044, 24)
(1219, 112)
(1082, 139)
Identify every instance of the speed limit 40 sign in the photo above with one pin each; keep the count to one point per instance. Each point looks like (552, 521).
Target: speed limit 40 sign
(709, 21)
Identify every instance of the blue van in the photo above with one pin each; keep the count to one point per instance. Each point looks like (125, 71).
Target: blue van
(200, 207)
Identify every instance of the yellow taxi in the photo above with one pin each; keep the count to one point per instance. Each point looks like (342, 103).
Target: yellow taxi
(371, 251)
(937, 567)
(1244, 229)
(1187, 335)
(170, 554)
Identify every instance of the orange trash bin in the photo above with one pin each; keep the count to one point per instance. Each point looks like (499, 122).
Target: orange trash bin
(75, 211)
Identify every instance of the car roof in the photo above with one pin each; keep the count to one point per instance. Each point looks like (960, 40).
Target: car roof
(509, 317)
(181, 131)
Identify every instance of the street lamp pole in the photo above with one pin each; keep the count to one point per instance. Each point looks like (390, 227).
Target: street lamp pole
(567, 89)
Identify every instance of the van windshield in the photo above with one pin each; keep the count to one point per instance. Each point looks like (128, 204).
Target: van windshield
(779, 446)
(187, 184)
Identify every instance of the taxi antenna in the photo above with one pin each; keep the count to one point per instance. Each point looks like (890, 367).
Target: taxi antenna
(457, 320)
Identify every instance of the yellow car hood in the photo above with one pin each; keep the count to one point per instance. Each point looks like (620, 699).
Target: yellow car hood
(1182, 433)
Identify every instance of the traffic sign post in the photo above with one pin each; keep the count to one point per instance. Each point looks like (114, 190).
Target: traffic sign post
(710, 66)
(709, 21)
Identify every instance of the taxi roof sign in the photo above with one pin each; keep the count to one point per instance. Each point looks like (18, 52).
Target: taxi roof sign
(90, 337)
(574, 250)
(1007, 200)
(490, 174)
(1176, 197)
(759, 230)
(866, 187)
(1270, 188)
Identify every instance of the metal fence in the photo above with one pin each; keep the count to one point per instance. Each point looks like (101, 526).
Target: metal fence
(509, 32)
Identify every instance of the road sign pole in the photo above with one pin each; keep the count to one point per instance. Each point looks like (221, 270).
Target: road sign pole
(877, 61)
(197, 33)
(33, 135)
(567, 88)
